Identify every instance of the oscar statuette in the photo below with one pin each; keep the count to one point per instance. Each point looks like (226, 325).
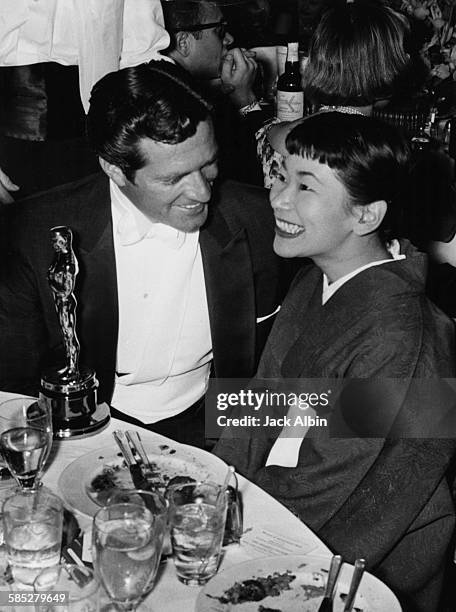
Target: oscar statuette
(70, 390)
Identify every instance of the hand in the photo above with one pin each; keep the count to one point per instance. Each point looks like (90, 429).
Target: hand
(6, 185)
(238, 75)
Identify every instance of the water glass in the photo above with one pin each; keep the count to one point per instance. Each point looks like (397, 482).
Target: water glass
(127, 546)
(8, 490)
(197, 515)
(79, 583)
(26, 438)
(153, 500)
(32, 528)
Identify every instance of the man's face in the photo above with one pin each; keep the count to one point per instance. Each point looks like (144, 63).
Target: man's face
(174, 186)
(208, 51)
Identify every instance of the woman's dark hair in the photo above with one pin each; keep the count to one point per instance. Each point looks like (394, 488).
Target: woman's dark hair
(155, 100)
(356, 54)
(369, 157)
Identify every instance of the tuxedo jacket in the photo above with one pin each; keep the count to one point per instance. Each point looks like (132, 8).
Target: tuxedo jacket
(242, 275)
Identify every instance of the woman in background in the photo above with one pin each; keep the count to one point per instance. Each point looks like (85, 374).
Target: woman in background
(356, 57)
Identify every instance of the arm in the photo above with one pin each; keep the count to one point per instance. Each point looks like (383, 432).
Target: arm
(6, 185)
(238, 76)
(22, 330)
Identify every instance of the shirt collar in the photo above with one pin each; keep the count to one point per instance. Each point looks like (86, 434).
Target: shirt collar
(131, 226)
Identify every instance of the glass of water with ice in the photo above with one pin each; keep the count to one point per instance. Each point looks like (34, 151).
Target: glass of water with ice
(32, 529)
(197, 515)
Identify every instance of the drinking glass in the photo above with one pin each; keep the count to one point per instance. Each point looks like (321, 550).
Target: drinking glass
(153, 500)
(197, 515)
(127, 546)
(32, 527)
(26, 438)
(79, 583)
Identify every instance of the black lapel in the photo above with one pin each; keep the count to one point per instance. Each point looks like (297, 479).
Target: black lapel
(231, 298)
(98, 308)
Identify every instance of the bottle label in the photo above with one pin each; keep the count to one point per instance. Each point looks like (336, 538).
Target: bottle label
(290, 105)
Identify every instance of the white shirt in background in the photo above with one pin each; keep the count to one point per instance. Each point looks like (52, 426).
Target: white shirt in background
(99, 36)
(164, 348)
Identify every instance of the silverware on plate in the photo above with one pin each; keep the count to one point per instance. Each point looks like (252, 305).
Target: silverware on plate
(334, 569)
(152, 476)
(358, 572)
(136, 472)
(122, 443)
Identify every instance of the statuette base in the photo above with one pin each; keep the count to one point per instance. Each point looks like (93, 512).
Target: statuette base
(73, 403)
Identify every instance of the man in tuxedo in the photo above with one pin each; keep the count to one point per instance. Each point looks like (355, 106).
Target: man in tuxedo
(177, 277)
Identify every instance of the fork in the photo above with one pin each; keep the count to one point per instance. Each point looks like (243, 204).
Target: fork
(334, 569)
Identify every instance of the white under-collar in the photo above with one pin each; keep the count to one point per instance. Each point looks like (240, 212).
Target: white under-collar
(329, 289)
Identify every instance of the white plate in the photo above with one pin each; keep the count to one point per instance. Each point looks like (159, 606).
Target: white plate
(310, 572)
(173, 460)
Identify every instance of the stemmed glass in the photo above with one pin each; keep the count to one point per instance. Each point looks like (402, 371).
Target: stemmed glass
(26, 439)
(127, 546)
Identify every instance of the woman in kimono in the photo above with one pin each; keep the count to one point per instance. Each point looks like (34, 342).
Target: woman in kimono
(371, 484)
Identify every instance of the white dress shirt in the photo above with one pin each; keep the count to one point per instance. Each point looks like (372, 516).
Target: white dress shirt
(285, 451)
(99, 36)
(164, 348)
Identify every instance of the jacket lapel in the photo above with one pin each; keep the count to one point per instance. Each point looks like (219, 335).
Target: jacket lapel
(98, 299)
(231, 298)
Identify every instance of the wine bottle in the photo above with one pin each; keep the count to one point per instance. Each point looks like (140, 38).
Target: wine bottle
(290, 97)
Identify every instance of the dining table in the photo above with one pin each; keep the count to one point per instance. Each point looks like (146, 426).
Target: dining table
(269, 527)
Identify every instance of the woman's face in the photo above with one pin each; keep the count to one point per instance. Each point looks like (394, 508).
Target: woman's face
(311, 210)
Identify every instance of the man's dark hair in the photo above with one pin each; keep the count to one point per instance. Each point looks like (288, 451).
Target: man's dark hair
(156, 100)
(179, 15)
(369, 158)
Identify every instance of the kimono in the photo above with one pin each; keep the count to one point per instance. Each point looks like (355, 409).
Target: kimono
(386, 499)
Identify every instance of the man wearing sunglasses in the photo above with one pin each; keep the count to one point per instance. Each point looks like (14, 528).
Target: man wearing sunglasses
(202, 45)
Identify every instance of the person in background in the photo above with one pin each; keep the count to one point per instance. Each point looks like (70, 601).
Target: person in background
(373, 482)
(51, 54)
(177, 277)
(202, 44)
(356, 58)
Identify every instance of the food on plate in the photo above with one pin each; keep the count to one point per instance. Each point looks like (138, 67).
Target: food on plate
(165, 471)
(257, 589)
(295, 591)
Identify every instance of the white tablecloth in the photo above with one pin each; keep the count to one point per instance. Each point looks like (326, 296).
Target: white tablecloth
(269, 527)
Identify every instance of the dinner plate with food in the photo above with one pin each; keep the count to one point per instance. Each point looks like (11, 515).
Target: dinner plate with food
(89, 481)
(289, 584)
